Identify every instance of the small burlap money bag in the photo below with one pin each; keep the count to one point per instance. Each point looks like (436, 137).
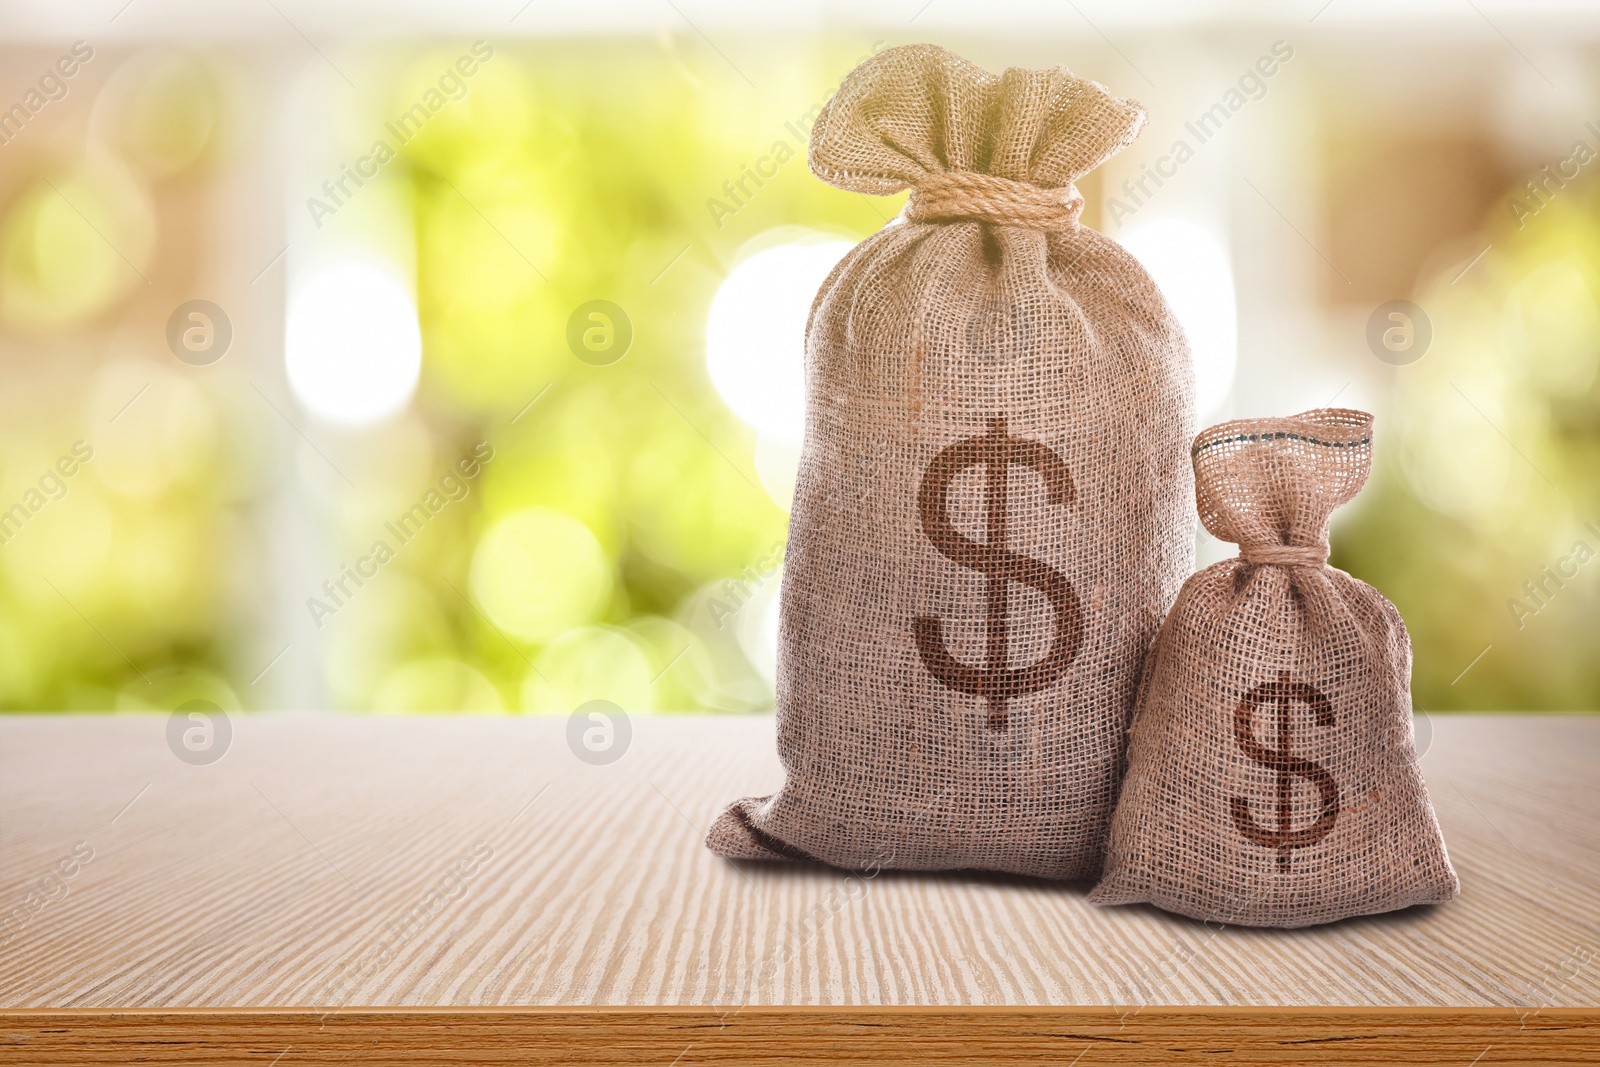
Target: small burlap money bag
(993, 510)
(1272, 777)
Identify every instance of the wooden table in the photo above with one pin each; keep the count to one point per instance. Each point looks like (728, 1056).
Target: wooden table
(466, 890)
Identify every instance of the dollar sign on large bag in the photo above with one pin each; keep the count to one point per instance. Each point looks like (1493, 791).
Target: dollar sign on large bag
(1285, 694)
(995, 680)
(992, 510)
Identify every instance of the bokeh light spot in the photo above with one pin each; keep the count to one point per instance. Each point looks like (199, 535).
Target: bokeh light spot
(778, 468)
(435, 684)
(73, 246)
(756, 333)
(539, 572)
(353, 347)
(1191, 266)
(590, 663)
(158, 430)
(161, 111)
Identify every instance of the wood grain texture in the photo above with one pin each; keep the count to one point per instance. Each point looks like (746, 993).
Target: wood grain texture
(777, 1037)
(311, 867)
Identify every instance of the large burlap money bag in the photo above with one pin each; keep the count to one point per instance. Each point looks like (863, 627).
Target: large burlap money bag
(1272, 777)
(993, 509)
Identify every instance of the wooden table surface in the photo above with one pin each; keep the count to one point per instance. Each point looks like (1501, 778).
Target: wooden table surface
(427, 886)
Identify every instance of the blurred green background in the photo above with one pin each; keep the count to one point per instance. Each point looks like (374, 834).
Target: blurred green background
(580, 487)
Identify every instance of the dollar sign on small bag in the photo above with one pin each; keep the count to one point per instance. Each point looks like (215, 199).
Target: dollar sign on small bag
(1284, 694)
(995, 681)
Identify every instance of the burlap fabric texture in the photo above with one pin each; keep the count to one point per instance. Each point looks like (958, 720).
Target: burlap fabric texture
(993, 509)
(1272, 774)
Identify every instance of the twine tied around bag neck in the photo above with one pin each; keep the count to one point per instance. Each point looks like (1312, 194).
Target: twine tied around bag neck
(1285, 555)
(967, 195)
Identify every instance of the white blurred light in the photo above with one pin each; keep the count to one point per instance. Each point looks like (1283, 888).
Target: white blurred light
(353, 346)
(778, 468)
(757, 627)
(756, 334)
(1190, 264)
